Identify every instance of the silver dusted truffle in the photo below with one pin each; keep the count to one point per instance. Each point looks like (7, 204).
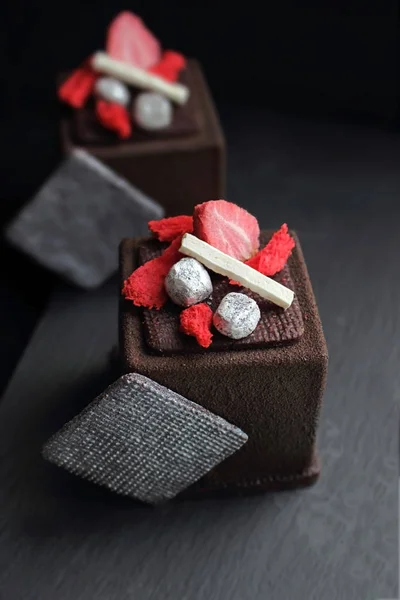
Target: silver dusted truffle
(112, 90)
(188, 282)
(152, 111)
(237, 316)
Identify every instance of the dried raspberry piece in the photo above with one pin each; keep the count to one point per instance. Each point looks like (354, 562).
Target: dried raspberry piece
(274, 256)
(77, 88)
(145, 287)
(170, 65)
(115, 117)
(196, 321)
(166, 230)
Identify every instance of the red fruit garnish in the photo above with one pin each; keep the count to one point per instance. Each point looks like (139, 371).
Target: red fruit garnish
(77, 88)
(145, 287)
(196, 321)
(227, 227)
(170, 65)
(166, 230)
(129, 40)
(115, 117)
(274, 256)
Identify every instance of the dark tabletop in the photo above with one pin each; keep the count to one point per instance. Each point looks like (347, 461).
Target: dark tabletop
(62, 538)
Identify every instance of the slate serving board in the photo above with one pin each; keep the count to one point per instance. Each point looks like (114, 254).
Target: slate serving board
(65, 538)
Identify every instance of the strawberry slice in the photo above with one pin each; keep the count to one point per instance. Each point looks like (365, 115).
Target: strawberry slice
(227, 227)
(129, 40)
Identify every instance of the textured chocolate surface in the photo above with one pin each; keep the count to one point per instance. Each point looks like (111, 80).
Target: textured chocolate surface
(187, 120)
(74, 223)
(178, 171)
(273, 393)
(142, 440)
(161, 327)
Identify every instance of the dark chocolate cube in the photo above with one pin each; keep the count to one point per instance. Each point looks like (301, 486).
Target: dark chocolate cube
(273, 393)
(180, 168)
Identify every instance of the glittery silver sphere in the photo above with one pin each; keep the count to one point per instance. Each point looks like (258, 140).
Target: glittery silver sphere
(237, 316)
(188, 282)
(112, 90)
(152, 111)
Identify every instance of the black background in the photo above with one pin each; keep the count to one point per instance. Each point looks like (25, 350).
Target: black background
(331, 57)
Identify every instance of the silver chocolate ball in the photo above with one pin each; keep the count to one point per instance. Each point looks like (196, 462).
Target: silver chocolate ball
(152, 111)
(237, 316)
(112, 90)
(188, 282)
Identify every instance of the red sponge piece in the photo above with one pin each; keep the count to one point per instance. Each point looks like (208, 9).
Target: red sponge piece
(274, 256)
(170, 65)
(115, 117)
(79, 85)
(145, 287)
(166, 230)
(196, 321)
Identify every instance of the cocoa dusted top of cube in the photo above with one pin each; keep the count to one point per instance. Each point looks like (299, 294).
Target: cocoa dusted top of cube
(161, 327)
(226, 241)
(186, 121)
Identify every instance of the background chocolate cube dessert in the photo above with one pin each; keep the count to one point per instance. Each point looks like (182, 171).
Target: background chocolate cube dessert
(178, 166)
(272, 388)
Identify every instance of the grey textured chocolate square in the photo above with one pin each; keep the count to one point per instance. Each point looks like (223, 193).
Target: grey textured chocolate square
(141, 439)
(76, 220)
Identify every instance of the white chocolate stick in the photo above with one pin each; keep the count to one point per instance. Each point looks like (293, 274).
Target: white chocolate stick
(226, 265)
(103, 63)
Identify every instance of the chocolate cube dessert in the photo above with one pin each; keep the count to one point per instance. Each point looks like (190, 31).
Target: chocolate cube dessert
(258, 357)
(160, 133)
(224, 363)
